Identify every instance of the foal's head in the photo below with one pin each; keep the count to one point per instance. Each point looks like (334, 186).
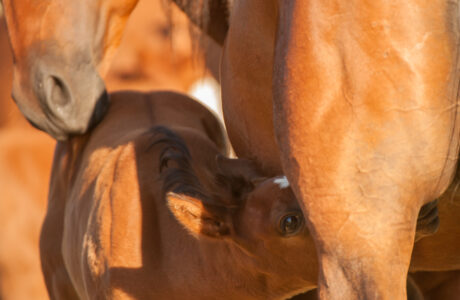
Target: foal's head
(58, 48)
(228, 201)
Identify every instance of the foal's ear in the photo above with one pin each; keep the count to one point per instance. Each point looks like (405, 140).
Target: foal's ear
(240, 167)
(198, 219)
(240, 174)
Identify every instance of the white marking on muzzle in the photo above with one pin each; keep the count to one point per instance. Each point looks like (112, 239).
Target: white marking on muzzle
(282, 182)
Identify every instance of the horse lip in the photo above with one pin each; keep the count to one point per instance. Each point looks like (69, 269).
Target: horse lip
(50, 128)
(54, 130)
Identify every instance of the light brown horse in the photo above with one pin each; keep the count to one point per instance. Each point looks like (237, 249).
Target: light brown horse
(58, 48)
(358, 95)
(61, 49)
(362, 99)
(9, 114)
(435, 261)
(25, 153)
(141, 208)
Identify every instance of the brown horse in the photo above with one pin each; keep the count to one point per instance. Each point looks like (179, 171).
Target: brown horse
(9, 114)
(188, 214)
(140, 208)
(357, 95)
(25, 155)
(435, 261)
(60, 50)
(337, 86)
(56, 82)
(361, 97)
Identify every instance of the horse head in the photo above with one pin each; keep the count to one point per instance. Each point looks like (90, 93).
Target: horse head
(60, 49)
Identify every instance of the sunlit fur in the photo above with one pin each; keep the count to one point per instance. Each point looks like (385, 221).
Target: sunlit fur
(60, 48)
(147, 206)
(357, 99)
(362, 99)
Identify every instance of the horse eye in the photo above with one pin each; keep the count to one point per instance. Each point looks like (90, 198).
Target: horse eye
(290, 224)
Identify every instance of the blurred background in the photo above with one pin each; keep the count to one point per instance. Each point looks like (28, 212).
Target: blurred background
(157, 52)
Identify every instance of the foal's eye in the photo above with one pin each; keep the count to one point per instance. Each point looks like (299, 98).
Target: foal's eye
(291, 223)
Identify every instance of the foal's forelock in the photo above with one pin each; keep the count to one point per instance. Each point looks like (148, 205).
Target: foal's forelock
(175, 169)
(179, 176)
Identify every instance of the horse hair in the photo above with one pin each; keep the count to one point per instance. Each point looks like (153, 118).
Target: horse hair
(175, 169)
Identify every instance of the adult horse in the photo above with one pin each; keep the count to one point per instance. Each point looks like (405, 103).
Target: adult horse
(361, 97)
(60, 51)
(25, 153)
(56, 83)
(364, 99)
(146, 206)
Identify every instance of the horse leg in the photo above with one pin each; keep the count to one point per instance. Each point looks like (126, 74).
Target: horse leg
(367, 133)
(55, 273)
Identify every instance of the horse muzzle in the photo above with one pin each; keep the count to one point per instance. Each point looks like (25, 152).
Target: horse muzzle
(69, 103)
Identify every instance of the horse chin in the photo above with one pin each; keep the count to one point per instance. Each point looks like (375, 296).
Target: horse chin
(62, 129)
(80, 124)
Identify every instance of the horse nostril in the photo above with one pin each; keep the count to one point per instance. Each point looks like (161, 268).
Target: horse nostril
(57, 92)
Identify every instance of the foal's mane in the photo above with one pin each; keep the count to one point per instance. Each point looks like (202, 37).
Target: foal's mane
(179, 176)
(175, 169)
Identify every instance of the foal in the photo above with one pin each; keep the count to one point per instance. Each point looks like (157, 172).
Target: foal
(147, 207)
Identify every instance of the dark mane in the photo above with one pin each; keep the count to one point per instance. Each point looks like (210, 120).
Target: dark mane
(177, 174)
(175, 169)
